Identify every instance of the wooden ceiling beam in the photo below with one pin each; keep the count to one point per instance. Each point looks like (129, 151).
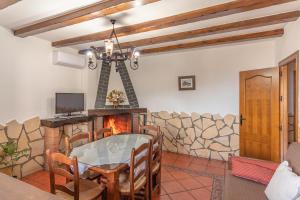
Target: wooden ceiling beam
(235, 26)
(220, 10)
(93, 11)
(219, 41)
(6, 3)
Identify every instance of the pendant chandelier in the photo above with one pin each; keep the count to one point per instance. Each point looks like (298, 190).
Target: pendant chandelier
(113, 53)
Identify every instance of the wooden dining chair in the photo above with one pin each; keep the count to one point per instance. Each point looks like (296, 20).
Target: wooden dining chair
(69, 144)
(102, 133)
(149, 129)
(69, 141)
(155, 164)
(74, 188)
(138, 178)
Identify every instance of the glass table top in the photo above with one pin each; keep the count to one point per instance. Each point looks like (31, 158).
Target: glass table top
(108, 152)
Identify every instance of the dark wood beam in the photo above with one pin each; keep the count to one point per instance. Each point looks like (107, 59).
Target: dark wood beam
(235, 26)
(6, 3)
(220, 10)
(219, 41)
(93, 11)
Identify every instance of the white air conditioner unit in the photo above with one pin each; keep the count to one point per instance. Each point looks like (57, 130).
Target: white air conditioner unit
(69, 60)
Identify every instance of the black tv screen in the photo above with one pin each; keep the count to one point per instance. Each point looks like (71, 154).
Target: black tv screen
(69, 102)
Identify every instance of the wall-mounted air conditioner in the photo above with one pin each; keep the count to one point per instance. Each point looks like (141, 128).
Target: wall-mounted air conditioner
(68, 59)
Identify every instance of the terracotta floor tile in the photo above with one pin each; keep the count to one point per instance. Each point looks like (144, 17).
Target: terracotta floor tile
(205, 181)
(165, 197)
(201, 194)
(209, 188)
(190, 184)
(181, 196)
(183, 161)
(162, 192)
(172, 187)
(166, 176)
(168, 158)
(197, 167)
(200, 161)
(178, 174)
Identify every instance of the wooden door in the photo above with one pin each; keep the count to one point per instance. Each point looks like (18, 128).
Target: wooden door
(284, 109)
(259, 113)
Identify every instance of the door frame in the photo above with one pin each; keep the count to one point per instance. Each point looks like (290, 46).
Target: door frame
(286, 61)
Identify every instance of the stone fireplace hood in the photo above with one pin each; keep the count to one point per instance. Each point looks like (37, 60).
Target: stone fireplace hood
(103, 86)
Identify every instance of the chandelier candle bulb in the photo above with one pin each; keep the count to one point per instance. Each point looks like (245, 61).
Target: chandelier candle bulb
(109, 47)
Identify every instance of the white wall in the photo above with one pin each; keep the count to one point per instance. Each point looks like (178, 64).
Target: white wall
(217, 77)
(28, 80)
(290, 42)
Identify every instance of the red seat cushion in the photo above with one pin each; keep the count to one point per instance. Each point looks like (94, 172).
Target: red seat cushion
(252, 169)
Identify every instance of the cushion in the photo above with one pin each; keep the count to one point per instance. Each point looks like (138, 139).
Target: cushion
(252, 169)
(284, 185)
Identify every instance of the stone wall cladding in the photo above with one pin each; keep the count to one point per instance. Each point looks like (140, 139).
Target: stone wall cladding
(29, 135)
(209, 136)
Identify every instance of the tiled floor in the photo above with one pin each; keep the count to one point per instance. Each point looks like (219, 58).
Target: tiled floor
(183, 178)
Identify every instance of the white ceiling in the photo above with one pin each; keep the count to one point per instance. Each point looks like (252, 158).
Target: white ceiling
(28, 11)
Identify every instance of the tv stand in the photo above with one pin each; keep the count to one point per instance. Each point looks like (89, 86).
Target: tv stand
(52, 127)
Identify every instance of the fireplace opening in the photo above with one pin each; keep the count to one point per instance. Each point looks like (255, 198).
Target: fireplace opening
(120, 123)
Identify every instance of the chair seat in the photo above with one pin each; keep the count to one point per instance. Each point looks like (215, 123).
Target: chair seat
(125, 183)
(87, 190)
(155, 168)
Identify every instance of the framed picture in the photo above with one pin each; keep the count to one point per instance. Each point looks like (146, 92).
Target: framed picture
(187, 82)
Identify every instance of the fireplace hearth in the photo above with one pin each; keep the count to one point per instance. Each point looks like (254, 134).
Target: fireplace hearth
(119, 123)
(122, 120)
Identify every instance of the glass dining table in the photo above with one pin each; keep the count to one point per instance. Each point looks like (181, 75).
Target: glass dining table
(109, 156)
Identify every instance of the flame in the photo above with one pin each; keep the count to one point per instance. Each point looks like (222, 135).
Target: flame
(111, 123)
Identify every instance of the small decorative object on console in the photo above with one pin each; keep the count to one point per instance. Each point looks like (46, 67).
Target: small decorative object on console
(116, 97)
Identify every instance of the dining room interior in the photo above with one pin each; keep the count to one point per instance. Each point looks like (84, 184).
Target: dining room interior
(149, 99)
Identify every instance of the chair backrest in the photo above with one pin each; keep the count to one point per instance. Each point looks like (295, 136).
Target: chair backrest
(150, 129)
(103, 132)
(156, 151)
(69, 141)
(139, 166)
(59, 164)
(293, 158)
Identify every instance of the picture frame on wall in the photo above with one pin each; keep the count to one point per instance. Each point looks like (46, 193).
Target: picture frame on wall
(186, 83)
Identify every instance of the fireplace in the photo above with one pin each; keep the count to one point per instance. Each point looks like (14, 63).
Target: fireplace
(123, 120)
(119, 123)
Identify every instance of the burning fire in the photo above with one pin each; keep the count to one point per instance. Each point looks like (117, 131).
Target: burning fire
(111, 123)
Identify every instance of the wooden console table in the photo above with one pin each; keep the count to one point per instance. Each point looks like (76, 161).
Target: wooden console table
(52, 125)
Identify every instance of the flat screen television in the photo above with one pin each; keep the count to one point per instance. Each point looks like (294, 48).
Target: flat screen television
(69, 102)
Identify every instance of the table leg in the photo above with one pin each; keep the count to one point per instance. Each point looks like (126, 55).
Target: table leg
(113, 186)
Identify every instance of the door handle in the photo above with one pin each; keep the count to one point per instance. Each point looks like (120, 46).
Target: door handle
(242, 119)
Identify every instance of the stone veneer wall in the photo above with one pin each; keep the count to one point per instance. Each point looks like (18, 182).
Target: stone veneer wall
(29, 135)
(209, 136)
